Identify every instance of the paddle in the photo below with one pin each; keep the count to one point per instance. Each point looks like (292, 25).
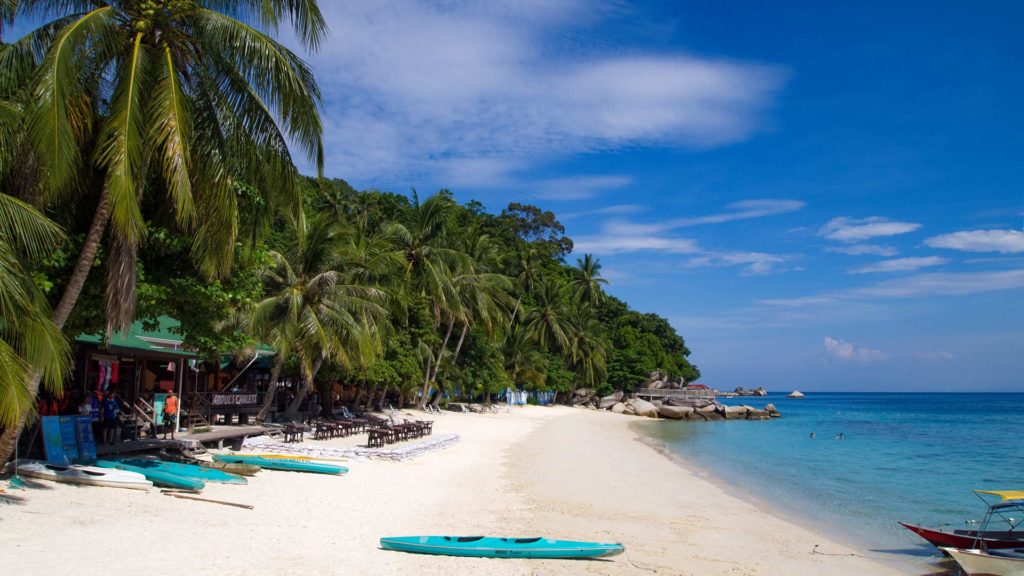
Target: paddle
(186, 496)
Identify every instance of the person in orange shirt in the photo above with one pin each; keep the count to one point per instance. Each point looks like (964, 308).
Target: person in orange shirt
(171, 414)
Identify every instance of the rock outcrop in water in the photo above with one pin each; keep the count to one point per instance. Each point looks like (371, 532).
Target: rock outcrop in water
(680, 409)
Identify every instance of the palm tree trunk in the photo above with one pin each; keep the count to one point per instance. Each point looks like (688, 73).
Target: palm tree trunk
(426, 386)
(307, 383)
(63, 310)
(440, 351)
(268, 400)
(515, 311)
(455, 356)
(462, 338)
(383, 396)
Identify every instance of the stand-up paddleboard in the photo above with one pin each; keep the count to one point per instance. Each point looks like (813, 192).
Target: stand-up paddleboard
(155, 475)
(299, 457)
(186, 470)
(229, 467)
(87, 475)
(275, 464)
(491, 547)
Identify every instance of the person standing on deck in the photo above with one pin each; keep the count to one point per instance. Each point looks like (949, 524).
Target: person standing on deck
(171, 414)
(111, 410)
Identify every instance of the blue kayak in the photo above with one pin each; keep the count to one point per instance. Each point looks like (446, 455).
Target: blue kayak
(156, 475)
(275, 464)
(491, 547)
(186, 470)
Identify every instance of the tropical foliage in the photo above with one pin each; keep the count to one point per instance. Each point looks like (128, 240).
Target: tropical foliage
(154, 139)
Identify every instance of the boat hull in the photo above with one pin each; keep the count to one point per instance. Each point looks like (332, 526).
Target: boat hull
(963, 538)
(979, 563)
(84, 475)
(277, 464)
(156, 476)
(493, 547)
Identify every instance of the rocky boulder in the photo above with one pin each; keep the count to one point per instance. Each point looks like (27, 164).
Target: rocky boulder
(609, 401)
(755, 414)
(618, 408)
(644, 408)
(735, 412)
(675, 412)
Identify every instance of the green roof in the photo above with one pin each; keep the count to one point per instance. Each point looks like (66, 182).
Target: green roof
(161, 340)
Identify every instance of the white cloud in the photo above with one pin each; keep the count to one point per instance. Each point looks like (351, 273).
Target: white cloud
(414, 90)
(933, 284)
(613, 209)
(742, 210)
(578, 187)
(944, 284)
(847, 351)
(846, 229)
(1005, 241)
(899, 265)
(864, 250)
(610, 244)
(755, 263)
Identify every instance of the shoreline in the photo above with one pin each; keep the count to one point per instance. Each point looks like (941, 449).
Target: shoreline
(832, 532)
(556, 472)
(690, 523)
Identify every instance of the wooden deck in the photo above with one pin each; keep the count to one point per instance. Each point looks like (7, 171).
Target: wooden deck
(213, 438)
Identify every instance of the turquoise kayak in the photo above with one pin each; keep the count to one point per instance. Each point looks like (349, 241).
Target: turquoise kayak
(275, 464)
(156, 475)
(491, 547)
(186, 470)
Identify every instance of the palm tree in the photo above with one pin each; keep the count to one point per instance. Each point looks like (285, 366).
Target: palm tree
(314, 311)
(587, 281)
(524, 362)
(429, 262)
(549, 321)
(195, 93)
(586, 353)
(529, 275)
(482, 293)
(30, 344)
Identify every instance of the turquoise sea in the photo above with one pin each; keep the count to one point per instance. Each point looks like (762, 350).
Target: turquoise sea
(910, 457)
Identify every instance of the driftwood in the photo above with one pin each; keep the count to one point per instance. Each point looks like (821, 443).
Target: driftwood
(188, 496)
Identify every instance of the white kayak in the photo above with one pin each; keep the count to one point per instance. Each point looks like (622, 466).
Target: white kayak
(77, 474)
(996, 562)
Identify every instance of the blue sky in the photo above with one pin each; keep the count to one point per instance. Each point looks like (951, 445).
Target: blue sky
(817, 196)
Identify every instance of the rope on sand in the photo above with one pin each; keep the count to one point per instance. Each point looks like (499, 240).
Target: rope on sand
(634, 564)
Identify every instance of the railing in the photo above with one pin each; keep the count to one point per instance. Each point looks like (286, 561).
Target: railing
(198, 412)
(683, 393)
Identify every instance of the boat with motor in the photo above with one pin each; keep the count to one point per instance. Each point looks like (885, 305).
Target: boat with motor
(497, 547)
(978, 559)
(155, 475)
(977, 562)
(980, 538)
(279, 464)
(79, 474)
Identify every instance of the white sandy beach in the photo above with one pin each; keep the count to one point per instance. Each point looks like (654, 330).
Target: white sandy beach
(556, 472)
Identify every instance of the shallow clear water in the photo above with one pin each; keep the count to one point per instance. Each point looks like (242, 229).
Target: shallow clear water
(910, 457)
